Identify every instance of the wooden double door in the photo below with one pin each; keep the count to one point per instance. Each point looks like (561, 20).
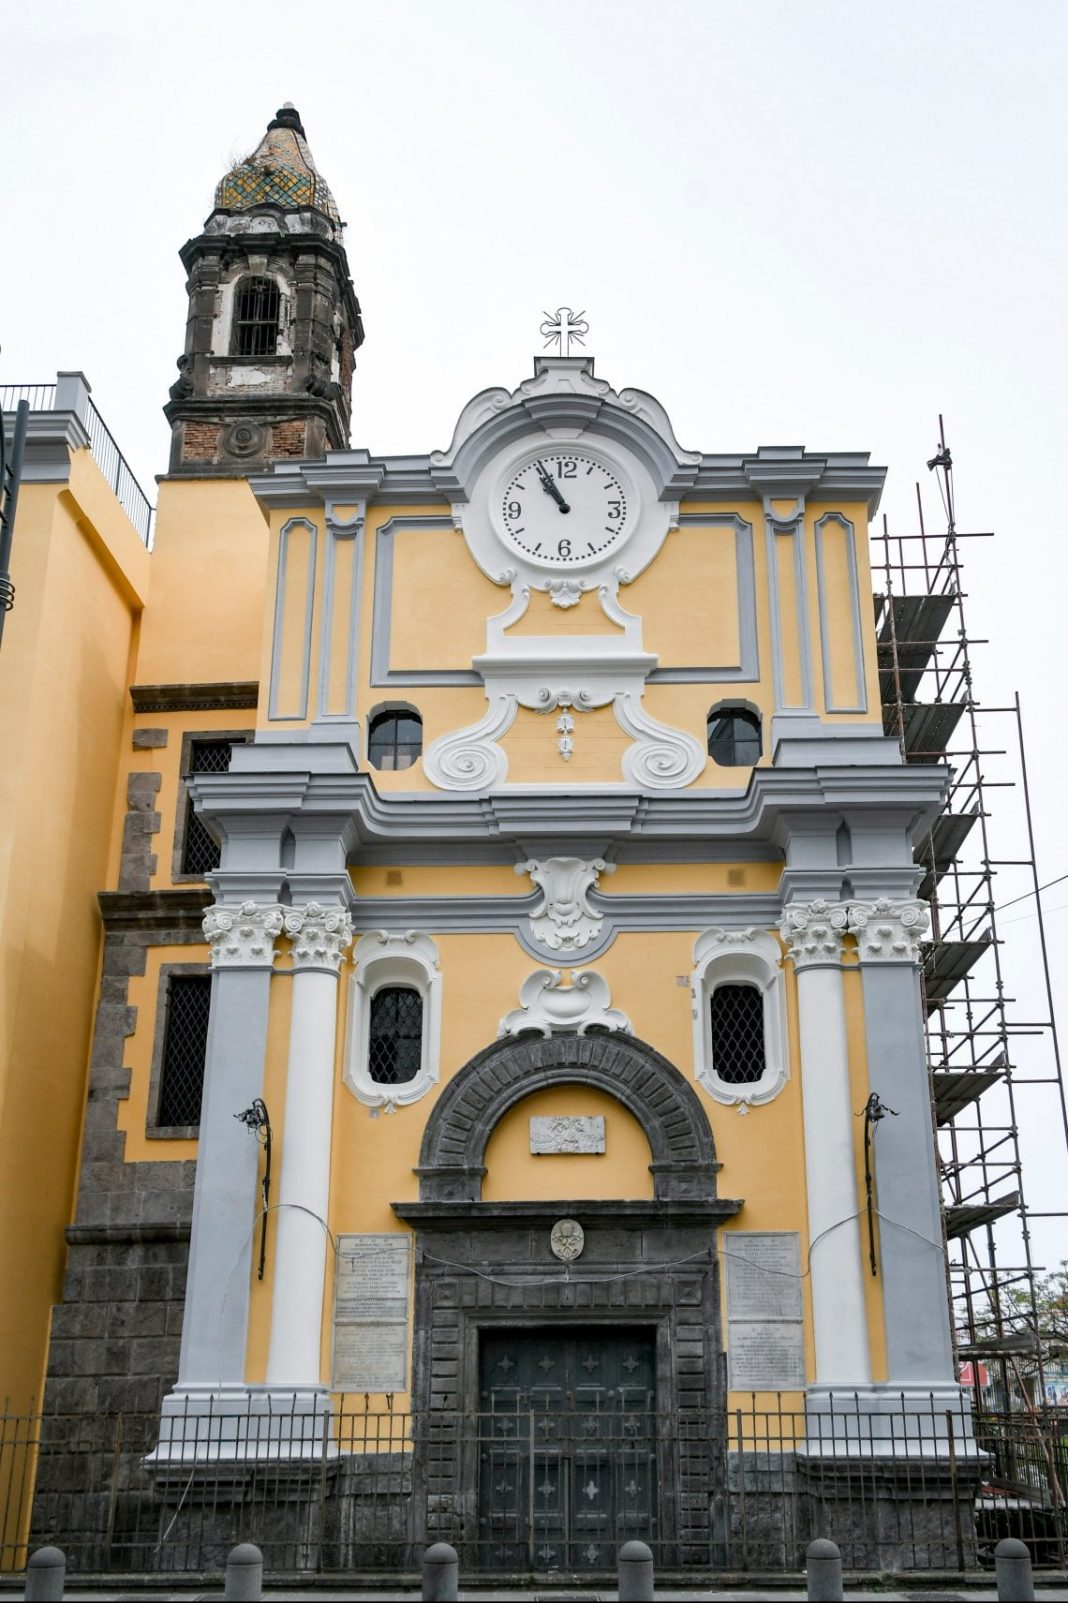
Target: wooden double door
(567, 1446)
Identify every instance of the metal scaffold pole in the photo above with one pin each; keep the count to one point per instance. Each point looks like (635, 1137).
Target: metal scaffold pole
(980, 1090)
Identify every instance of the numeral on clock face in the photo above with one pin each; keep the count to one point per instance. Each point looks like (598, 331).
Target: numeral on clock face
(564, 507)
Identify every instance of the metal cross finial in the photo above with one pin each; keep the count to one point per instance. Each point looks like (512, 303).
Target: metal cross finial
(563, 326)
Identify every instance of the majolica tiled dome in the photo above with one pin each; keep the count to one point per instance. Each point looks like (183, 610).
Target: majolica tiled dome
(280, 172)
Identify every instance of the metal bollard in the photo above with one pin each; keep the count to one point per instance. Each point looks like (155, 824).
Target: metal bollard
(635, 1564)
(45, 1574)
(244, 1574)
(441, 1574)
(823, 1565)
(1012, 1564)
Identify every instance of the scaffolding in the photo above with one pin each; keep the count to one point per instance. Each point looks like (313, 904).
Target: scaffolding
(986, 1059)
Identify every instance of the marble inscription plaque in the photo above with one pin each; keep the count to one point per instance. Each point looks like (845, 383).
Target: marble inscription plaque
(766, 1356)
(567, 1133)
(765, 1333)
(371, 1313)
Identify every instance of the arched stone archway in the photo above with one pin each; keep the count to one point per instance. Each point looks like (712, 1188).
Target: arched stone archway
(487, 1282)
(451, 1160)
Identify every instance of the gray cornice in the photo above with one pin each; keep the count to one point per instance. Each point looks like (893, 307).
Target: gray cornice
(509, 915)
(235, 695)
(50, 439)
(124, 1235)
(124, 912)
(342, 476)
(563, 393)
(320, 779)
(654, 1213)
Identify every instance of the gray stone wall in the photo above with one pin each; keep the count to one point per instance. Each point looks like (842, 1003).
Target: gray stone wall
(116, 1333)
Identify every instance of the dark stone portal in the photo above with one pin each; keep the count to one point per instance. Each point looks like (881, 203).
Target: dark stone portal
(647, 1275)
(568, 1446)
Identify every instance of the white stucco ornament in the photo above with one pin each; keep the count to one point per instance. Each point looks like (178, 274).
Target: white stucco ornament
(320, 936)
(565, 921)
(546, 1004)
(243, 936)
(888, 931)
(567, 1239)
(814, 931)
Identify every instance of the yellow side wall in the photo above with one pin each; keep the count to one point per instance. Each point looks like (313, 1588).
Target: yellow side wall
(81, 576)
(209, 585)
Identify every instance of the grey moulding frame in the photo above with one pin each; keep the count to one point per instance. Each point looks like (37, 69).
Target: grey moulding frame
(337, 530)
(301, 710)
(748, 666)
(860, 676)
(382, 675)
(236, 737)
(794, 526)
(153, 1129)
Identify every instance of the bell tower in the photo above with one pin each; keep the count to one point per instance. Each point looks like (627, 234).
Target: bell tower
(274, 323)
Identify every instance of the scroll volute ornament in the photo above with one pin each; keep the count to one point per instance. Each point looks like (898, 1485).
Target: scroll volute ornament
(814, 931)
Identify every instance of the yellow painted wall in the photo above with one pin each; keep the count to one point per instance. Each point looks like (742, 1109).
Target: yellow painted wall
(687, 600)
(620, 1173)
(81, 575)
(209, 585)
(144, 995)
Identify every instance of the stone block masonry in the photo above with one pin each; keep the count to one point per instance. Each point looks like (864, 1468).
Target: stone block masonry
(116, 1333)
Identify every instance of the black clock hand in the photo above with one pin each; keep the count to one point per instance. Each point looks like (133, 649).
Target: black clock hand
(550, 488)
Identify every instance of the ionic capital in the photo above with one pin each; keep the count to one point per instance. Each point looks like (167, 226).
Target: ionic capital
(319, 935)
(888, 931)
(244, 936)
(813, 932)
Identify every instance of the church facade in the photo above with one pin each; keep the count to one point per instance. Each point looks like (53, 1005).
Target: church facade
(512, 917)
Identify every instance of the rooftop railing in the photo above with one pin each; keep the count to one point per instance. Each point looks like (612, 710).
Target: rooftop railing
(71, 394)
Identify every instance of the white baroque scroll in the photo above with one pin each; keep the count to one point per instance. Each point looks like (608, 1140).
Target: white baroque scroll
(565, 921)
(469, 759)
(661, 758)
(546, 1004)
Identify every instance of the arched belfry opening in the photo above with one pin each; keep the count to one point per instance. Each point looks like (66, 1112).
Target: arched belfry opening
(560, 1344)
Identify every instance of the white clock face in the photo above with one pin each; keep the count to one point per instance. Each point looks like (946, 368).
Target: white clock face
(564, 508)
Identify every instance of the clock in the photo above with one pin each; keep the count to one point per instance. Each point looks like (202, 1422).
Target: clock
(564, 507)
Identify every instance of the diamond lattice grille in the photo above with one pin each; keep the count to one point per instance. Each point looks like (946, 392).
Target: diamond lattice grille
(184, 1046)
(396, 1035)
(737, 1033)
(200, 853)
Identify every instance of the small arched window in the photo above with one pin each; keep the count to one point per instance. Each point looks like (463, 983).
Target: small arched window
(395, 739)
(393, 1032)
(737, 1034)
(256, 304)
(740, 1050)
(395, 1037)
(733, 737)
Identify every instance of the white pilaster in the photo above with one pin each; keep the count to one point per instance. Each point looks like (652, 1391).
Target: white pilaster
(211, 1371)
(813, 932)
(320, 936)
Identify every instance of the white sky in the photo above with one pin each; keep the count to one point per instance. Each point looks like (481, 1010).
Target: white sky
(814, 222)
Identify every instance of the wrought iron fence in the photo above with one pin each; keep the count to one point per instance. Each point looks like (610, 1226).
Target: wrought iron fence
(105, 452)
(532, 1491)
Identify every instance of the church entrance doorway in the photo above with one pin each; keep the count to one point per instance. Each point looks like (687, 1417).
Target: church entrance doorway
(567, 1460)
(529, 1364)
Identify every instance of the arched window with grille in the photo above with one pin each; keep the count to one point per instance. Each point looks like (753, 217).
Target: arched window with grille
(739, 1013)
(255, 323)
(393, 1026)
(395, 1035)
(395, 739)
(737, 1021)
